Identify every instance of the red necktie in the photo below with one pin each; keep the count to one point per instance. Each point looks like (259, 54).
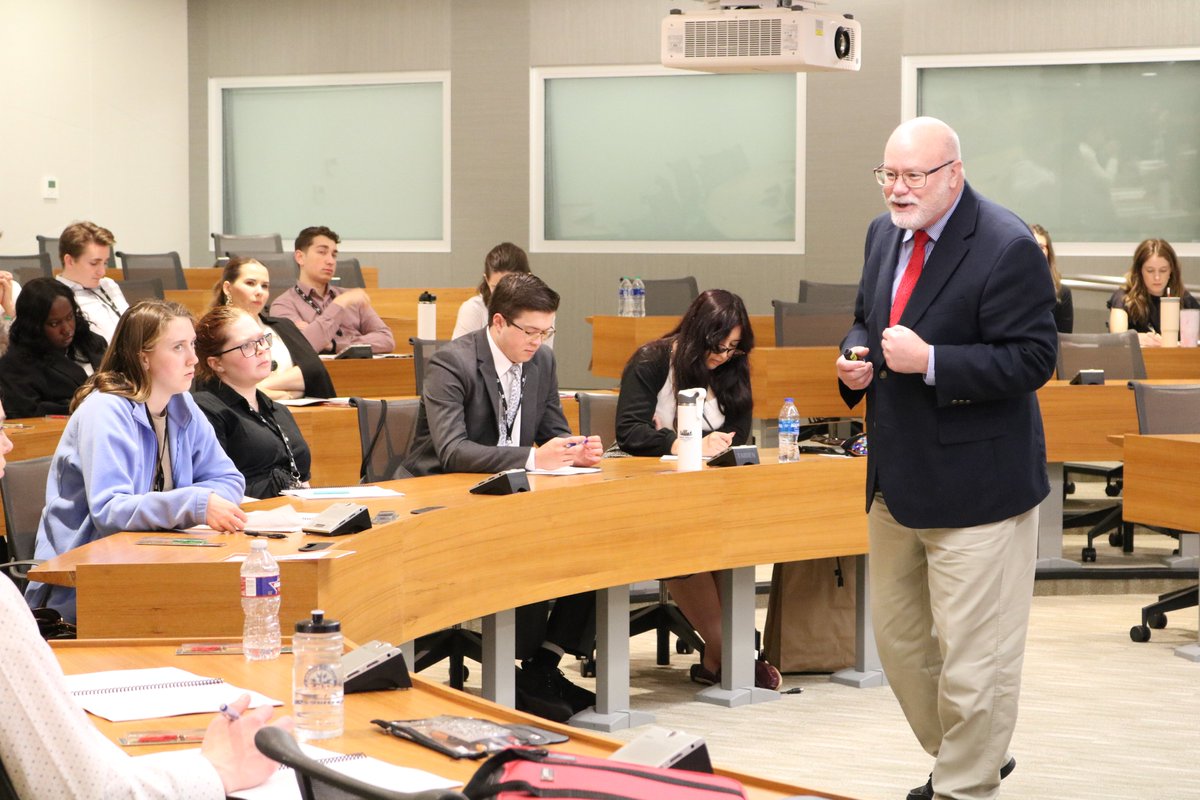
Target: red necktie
(916, 262)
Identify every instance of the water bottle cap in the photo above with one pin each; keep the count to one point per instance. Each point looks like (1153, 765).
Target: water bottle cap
(788, 400)
(318, 624)
(258, 544)
(426, 297)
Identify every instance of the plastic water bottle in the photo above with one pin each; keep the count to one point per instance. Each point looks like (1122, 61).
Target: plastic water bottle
(317, 677)
(639, 298)
(789, 432)
(625, 298)
(260, 604)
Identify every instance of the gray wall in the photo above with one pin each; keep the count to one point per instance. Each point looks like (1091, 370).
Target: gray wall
(490, 47)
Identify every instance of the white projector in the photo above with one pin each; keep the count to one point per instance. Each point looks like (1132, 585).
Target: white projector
(785, 39)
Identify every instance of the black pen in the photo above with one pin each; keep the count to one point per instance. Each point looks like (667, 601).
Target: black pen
(266, 535)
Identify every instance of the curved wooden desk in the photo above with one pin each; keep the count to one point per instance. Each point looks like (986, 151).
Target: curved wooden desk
(636, 520)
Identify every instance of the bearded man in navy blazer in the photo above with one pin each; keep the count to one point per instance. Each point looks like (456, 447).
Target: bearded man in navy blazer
(953, 334)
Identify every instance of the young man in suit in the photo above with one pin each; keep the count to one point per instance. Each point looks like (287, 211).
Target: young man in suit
(330, 317)
(84, 248)
(489, 398)
(953, 334)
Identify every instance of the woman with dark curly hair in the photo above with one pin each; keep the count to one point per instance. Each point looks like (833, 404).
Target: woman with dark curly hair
(52, 351)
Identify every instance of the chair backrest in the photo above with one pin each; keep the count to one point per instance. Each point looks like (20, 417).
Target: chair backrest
(423, 350)
(1167, 409)
(167, 267)
(48, 250)
(829, 293)
(142, 289)
(1118, 354)
(385, 431)
(23, 494)
(25, 268)
(670, 297)
(281, 269)
(811, 324)
(349, 274)
(232, 244)
(320, 782)
(598, 416)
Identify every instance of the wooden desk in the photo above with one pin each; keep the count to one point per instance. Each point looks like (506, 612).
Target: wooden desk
(615, 339)
(423, 573)
(372, 377)
(401, 303)
(425, 699)
(194, 300)
(1161, 484)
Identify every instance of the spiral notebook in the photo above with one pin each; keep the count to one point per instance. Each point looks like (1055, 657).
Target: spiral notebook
(127, 694)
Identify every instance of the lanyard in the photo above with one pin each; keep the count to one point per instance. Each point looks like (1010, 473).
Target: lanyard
(160, 478)
(274, 427)
(307, 299)
(102, 295)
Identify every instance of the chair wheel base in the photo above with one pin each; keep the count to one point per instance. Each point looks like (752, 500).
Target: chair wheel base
(1089, 555)
(1157, 621)
(1139, 633)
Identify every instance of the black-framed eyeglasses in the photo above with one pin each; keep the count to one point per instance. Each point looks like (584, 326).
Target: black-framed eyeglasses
(250, 348)
(732, 352)
(532, 333)
(912, 179)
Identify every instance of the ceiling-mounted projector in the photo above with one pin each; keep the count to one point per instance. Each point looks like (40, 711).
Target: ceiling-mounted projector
(746, 37)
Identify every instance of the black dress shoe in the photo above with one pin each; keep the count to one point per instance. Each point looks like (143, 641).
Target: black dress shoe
(549, 682)
(926, 792)
(536, 696)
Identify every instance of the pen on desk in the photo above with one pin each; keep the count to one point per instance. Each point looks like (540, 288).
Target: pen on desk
(266, 534)
(229, 713)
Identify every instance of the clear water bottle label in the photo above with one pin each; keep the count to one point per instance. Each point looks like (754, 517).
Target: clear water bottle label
(264, 586)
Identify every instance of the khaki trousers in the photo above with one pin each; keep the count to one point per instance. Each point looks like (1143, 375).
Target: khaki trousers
(950, 608)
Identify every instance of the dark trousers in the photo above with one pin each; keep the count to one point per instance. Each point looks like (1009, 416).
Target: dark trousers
(571, 625)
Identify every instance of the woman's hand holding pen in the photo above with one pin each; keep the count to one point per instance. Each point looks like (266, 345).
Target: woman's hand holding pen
(229, 745)
(715, 442)
(224, 516)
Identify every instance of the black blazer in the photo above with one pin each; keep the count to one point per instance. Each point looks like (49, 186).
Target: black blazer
(317, 382)
(458, 423)
(33, 384)
(969, 450)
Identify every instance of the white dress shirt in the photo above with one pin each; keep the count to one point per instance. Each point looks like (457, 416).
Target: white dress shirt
(103, 306)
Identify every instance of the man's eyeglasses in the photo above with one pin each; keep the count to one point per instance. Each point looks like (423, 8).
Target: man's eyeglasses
(250, 348)
(912, 179)
(532, 333)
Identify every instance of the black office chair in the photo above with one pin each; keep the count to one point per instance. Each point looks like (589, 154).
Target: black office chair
(598, 417)
(23, 492)
(828, 293)
(423, 350)
(810, 324)
(349, 274)
(670, 297)
(230, 244)
(320, 782)
(25, 268)
(142, 289)
(385, 431)
(1166, 409)
(167, 267)
(1120, 356)
(48, 251)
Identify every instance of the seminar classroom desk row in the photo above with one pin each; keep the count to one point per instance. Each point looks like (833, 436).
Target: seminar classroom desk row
(475, 555)
(1161, 484)
(425, 699)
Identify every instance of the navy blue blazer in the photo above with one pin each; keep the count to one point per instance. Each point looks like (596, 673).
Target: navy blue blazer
(969, 450)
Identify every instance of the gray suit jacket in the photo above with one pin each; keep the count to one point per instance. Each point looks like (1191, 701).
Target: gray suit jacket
(458, 424)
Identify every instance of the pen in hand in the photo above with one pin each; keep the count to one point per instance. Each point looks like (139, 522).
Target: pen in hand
(229, 713)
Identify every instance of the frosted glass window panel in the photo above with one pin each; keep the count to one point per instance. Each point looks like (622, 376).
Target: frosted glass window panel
(1098, 152)
(691, 158)
(366, 160)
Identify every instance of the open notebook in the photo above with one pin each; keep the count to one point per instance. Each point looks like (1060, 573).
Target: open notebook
(128, 694)
(282, 785)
